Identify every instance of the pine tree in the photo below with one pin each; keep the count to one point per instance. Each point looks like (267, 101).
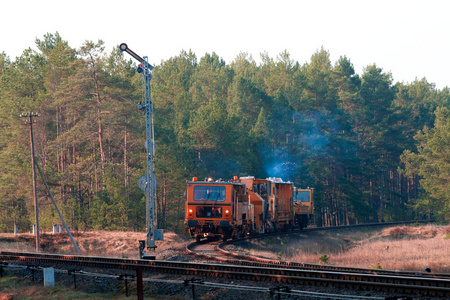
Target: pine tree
(432, 164)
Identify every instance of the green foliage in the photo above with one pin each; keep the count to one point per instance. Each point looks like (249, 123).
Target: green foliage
(377, 267)
(316, 124)
(431, 163)
(279, 255)
(270, 241)
(324, 258)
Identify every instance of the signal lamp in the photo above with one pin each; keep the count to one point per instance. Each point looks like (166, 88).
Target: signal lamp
(140, 68)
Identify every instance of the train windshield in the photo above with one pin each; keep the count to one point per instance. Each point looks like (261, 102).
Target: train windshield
(208, 212)
(209, 193)
(302, 196)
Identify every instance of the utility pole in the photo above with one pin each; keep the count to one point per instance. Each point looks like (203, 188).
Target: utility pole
(148, 181)
(29, 121)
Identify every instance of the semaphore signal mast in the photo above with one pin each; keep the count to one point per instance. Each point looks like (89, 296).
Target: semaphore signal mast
(148, 181)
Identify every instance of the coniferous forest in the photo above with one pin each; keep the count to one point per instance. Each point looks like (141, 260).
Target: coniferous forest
(373, 149)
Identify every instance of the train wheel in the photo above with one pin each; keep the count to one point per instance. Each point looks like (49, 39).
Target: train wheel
(291, 225)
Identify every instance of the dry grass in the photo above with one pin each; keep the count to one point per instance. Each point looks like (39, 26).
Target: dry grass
(15, 287)
(98, 243)
(397, 248)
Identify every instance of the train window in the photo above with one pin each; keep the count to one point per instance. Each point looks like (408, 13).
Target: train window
(209, 193)
(264, 189)
(260, 189)
(208, 212)
(301, 196)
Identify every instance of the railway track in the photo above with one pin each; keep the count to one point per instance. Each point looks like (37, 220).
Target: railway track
(412, 285)
(394, 280)
(216, 251)
(231, 266)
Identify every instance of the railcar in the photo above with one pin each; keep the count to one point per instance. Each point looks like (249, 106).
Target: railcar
(242, 206)
(273, 202)
(304, 207)
(216, 209)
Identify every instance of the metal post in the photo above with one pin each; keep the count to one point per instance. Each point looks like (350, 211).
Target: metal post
(148, 181)
(193, 292)
(141, 249)
(73, 272)
(192, 282)
(36, 210)
(139, 284)
(151, 179)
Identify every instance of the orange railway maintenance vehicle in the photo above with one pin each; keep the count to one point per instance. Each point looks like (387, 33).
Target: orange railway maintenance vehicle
(304, 208)
(244, 206)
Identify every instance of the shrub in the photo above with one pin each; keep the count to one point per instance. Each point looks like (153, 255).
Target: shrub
(279, 255)
(377, 267)
(446, 229)
(270, 242)
(324, 258)
(399, 232)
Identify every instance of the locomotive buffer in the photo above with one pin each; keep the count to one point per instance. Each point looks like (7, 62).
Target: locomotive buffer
(148, 181)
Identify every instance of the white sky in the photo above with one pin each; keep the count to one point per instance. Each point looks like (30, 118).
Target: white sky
(410, 39)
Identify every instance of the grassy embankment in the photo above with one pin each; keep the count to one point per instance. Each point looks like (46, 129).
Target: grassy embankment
(409, 248)
(398, 248)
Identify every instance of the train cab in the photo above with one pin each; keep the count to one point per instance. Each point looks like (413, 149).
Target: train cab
(215, 209)
(303, 200)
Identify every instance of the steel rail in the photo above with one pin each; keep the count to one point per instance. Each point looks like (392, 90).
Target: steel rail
(422, 286)
(250, 260)
(278, 290)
